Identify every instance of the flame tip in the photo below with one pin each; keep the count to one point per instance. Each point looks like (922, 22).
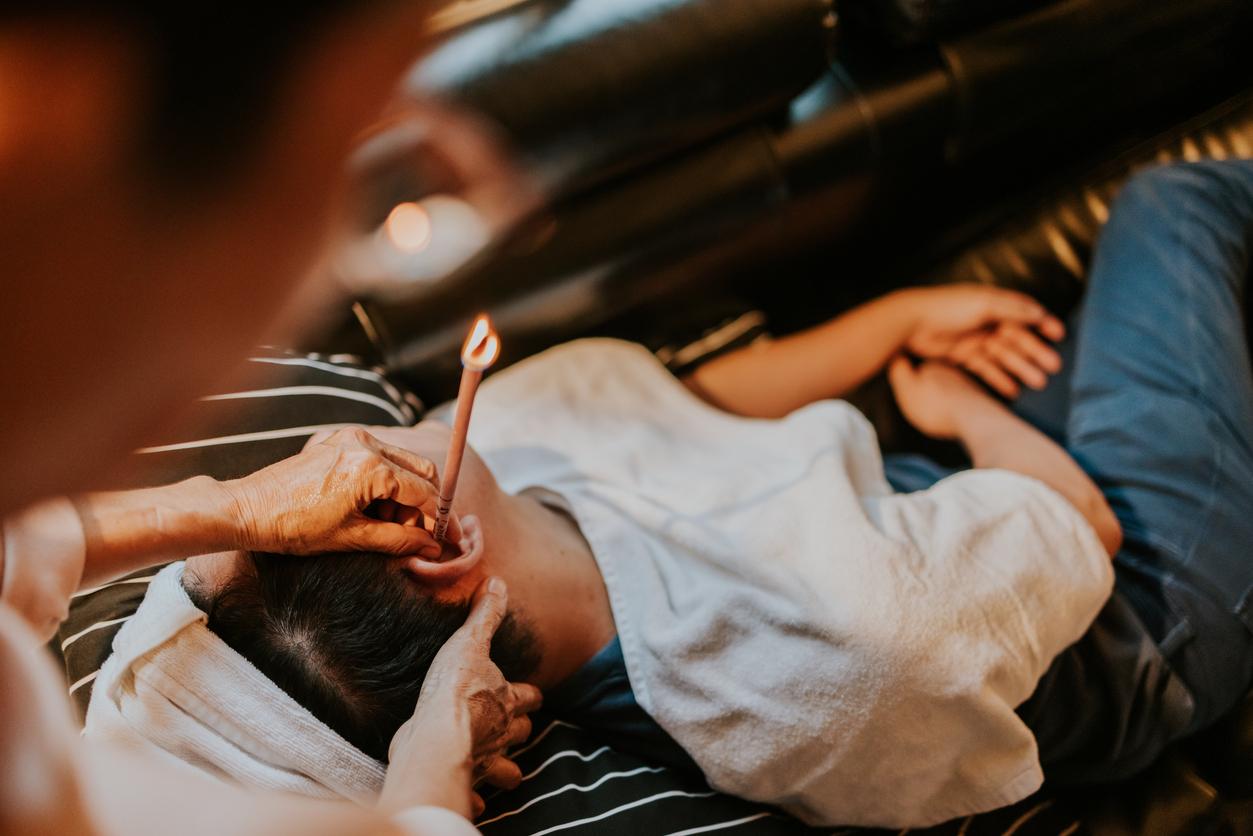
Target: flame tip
(482, 345)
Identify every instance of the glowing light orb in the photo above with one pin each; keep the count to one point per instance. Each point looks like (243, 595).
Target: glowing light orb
(409, 228)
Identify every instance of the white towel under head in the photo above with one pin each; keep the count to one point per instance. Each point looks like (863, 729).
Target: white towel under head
(173, 684)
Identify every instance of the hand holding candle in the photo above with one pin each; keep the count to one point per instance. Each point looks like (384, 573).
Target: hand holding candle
(481, 348)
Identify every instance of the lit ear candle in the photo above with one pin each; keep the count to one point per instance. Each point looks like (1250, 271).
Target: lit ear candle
(479, 352)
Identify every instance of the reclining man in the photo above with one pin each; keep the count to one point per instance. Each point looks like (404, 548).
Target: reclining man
(858, 644)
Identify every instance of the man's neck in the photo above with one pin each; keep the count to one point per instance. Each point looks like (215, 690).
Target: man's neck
(555, 583)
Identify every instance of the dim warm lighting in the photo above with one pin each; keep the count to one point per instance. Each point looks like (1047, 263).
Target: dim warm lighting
(418, 242)
(409, 228)
(482, 346)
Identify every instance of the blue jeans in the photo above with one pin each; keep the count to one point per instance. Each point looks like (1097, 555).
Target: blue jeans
(1157, 407)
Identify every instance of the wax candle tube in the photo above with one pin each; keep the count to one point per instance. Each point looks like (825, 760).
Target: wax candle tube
(481, 349)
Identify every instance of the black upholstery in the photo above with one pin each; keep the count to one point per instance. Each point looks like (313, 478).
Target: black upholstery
(1104, 55)
(584, 87)
(905, 22)
(880, 146)
(1044, 249)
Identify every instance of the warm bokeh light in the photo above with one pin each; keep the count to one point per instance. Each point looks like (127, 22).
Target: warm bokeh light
(409, 228)
(482, 346)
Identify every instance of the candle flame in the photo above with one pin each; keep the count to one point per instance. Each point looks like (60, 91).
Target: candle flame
(482, 346)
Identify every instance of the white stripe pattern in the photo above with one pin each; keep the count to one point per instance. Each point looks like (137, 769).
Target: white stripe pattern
(324, 391)
(241, 438)
(568, 753)
(661, 796)
(80, 683)
(346, 371)
(99, 625)
(82, 593)
(719, 826)
(535, 741)
(608, 776)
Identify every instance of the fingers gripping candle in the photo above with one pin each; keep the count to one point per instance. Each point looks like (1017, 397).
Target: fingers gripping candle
(479, 352)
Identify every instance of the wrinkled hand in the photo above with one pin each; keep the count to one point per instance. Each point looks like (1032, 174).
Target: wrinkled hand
(347, 492)
(934, 395)
(467, 716)
(996, 334)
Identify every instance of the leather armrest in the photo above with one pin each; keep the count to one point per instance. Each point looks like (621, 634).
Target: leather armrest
(585, 87)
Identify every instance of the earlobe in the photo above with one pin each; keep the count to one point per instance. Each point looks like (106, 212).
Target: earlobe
(445, 572)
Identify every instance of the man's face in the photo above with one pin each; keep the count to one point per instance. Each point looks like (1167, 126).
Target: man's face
(124, 299)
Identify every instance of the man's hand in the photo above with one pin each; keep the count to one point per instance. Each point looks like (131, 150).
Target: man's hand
(943, 402)
(934, 395)
(346, 492)
(999, 335)
(467, 716)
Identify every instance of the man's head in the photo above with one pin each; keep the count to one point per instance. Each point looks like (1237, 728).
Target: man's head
(168, 174)
(349, 636)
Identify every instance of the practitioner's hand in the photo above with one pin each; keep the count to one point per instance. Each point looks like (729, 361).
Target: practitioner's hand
(999, 335)
(467, 716)
(348, 491)
(933, 396)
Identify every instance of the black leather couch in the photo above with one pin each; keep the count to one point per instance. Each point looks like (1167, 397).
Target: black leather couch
(791, 157)
(705, 142)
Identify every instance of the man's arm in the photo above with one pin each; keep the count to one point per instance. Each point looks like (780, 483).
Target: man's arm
(988, 330)
(319, 501)
(944, 403)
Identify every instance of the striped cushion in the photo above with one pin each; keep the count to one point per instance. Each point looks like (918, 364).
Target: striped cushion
(573, 784)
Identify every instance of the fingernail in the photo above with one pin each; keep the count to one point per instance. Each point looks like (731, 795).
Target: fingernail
(496, 586)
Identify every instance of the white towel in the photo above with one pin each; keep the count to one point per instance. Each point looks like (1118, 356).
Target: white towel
(811, 638)
(173, 684)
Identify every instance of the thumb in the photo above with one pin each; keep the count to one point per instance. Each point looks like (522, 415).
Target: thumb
(1016, 307)
(491, 602)
(395, 539)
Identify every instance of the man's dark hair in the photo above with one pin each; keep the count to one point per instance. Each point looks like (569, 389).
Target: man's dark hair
(348, 636)
(213, 70)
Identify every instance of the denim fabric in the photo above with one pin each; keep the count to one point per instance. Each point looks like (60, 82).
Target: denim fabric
(1156, 403)
(1159, 411)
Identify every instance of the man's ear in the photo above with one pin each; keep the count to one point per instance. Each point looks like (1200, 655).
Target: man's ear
(451, 568)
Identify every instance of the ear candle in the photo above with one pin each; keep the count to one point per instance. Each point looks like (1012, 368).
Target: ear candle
(481, 348)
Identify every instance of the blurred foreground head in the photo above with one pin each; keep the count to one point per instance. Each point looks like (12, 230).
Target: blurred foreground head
(169, 173)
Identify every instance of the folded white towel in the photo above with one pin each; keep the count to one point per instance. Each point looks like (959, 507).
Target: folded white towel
(173, 684)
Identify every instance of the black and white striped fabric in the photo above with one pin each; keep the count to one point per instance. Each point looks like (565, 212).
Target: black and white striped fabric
(573, 784)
